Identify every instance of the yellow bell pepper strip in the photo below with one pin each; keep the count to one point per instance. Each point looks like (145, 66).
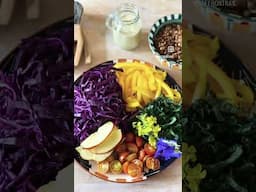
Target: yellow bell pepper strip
(160, 75)
(142, 84)
(158, 91)
(128, 84)
(129, 70)
(207, 74)
(200, 89)
(167, 90)
(151, 81)
(147, 93)
(145, 100)
(133, 103)
(176, 96)
(144, 80)
(245, 93)
(134, 82)
(215, 46)
(224, 81)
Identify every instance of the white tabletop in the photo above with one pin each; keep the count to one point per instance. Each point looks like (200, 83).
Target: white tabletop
(102, 49)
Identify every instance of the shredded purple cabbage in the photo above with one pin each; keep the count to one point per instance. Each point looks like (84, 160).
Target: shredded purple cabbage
(97, 99)
(36, 111)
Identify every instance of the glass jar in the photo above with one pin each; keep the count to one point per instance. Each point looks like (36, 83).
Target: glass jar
(125, 24)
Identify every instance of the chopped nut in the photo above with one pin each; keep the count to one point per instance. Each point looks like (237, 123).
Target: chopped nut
(168, 41)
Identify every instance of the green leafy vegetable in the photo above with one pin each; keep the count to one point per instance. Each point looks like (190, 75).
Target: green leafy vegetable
(225, 144)
(168, 115)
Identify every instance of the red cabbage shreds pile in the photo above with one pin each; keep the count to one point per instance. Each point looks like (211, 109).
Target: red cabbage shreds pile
(97, 99)
(17, 119)
(36, 111)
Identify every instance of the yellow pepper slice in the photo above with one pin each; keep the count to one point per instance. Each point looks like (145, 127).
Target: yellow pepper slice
(219, 76)
(142, 83)
(200, 89)
(158, 91)
(166, 89)
(245, 93)
(134, 82)
(176, 96)
(133, 103)
(151, 81)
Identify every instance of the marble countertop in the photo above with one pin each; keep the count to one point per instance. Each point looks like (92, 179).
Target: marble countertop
(102, 48)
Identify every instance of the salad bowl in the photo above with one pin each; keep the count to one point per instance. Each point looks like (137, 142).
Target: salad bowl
(92, 166)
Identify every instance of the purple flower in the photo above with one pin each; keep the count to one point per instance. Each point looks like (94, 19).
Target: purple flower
(167, 150)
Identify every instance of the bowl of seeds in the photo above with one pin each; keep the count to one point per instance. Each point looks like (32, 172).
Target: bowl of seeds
(165, 41)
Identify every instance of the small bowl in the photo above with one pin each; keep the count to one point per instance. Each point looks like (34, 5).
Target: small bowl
(165, 62)
(224, 20)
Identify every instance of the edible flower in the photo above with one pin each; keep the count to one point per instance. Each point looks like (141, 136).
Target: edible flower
(167, 150)
(147, 126)
(192, 172)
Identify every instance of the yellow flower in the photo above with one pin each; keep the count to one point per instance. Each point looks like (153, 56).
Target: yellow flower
(152, 140)
(147, 126)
